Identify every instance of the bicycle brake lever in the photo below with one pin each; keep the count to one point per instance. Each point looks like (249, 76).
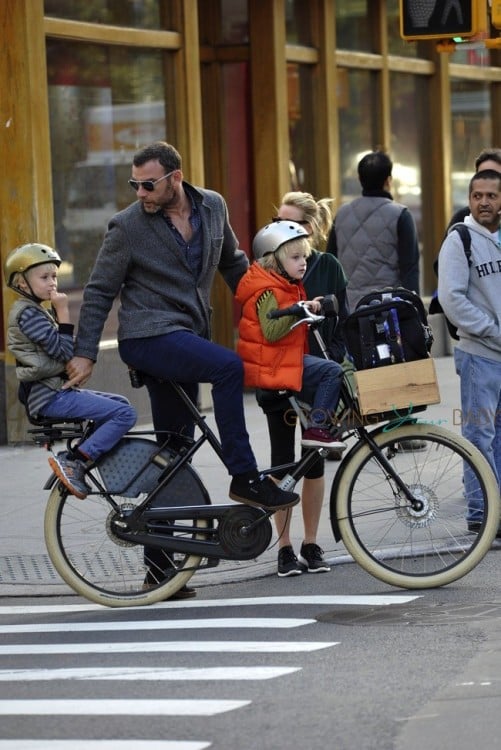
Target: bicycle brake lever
(312, 318)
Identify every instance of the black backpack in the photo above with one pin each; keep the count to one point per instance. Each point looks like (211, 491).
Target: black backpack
(388, 327)
(435, 306)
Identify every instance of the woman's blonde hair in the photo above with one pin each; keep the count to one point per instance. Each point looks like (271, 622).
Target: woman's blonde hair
(272, 261)
(318, 214)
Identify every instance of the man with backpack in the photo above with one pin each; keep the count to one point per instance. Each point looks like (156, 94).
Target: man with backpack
(470, 294)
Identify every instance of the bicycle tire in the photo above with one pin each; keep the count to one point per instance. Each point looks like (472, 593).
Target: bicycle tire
(381, 531)
(93, 561)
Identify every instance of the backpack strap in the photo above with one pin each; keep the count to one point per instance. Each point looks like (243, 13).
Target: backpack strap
(465, 235)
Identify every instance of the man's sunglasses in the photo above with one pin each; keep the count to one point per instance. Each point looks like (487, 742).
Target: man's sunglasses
(148, 185)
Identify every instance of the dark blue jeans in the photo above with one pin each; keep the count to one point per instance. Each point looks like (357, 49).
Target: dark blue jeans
(188, 359)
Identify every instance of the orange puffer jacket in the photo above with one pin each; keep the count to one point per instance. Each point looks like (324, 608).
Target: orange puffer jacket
(273, 365)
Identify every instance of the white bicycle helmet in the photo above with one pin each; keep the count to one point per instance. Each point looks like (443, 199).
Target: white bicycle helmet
(274, 235)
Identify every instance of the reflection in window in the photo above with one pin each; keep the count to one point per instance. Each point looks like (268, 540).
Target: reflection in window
(471, 53)
(353, 25)
(404, 147)
(396, 45)
(301, 126)
(357, 124)
(298, 22)
(234, 20)
(471, 133)
(139, 15)
(104, 104)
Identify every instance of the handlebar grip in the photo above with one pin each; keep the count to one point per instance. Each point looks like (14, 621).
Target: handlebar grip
(295, 310)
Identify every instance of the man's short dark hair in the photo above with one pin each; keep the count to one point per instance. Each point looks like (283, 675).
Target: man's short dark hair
(164, 153)
(374, 169)
(488, 154)
(485, 174)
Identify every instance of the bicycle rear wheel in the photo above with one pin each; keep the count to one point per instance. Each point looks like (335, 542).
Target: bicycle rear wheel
(397, 543)
(93, 560)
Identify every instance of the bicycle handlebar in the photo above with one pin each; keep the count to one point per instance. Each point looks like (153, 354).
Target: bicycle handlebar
(329, 309)
(298, 310)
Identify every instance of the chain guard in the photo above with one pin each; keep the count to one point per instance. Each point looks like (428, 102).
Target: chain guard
(244, 532)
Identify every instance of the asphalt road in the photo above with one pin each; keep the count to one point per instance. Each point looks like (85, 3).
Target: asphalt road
(335, 660)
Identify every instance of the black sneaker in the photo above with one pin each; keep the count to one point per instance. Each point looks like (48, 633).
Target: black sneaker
(288, 564)
(312, 557)
(71, 472)
(262, 493)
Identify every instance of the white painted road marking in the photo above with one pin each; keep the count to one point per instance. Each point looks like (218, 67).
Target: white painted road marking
(221, 647)
(115, 707)
(374, 601)
(140, 673)
(222, 622)
(101, 745)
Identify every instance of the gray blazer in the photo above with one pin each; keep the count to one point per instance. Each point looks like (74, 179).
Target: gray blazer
(141, 262)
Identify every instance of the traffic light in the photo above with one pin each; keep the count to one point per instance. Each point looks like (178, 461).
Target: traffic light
(442, 19)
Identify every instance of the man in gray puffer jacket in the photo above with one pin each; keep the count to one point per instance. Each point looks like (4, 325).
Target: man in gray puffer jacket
(373, 237)
(160, 256)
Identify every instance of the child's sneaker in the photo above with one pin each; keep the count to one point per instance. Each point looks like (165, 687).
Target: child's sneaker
(318, 437)
(312, 557)
(71, 472)
(288, 564)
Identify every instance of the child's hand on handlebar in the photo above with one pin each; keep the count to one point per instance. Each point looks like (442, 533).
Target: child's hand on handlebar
(315, 305)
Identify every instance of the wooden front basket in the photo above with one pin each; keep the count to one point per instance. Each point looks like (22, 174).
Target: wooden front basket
(396, 387)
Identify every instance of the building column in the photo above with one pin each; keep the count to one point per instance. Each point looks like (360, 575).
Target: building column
(26, 212)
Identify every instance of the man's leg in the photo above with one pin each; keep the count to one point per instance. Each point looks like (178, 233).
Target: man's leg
(480, 382)
(182, 356)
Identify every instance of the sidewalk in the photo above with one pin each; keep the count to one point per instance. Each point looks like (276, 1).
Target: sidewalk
(25, 568)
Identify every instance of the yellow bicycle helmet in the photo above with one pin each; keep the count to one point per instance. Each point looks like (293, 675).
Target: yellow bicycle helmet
(25, 257)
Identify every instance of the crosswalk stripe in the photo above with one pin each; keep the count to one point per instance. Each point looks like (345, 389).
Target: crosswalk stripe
(101, 745)
(139, 673)
(127, 707)
(375, 601)
(222, 622)
(258, 647)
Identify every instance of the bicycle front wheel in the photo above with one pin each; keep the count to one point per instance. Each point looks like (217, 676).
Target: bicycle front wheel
(96, 563)
(406, 545)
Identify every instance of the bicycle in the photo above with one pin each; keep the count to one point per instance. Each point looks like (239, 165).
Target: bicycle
(148, 524)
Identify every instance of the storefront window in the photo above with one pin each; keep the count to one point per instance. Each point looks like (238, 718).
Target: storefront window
(104, 104)
(234, 21)
(397, 45)
(139, 15)
(404, 146)
(357, 112)
(353, 25)
(301, 126)
(471, 53)
(298, 22)
(471, 133)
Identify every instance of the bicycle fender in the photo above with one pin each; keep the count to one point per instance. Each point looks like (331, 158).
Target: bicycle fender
(51, 481)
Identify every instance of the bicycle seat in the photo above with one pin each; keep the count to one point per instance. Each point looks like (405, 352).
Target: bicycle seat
(51, 422)
(49, 430)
